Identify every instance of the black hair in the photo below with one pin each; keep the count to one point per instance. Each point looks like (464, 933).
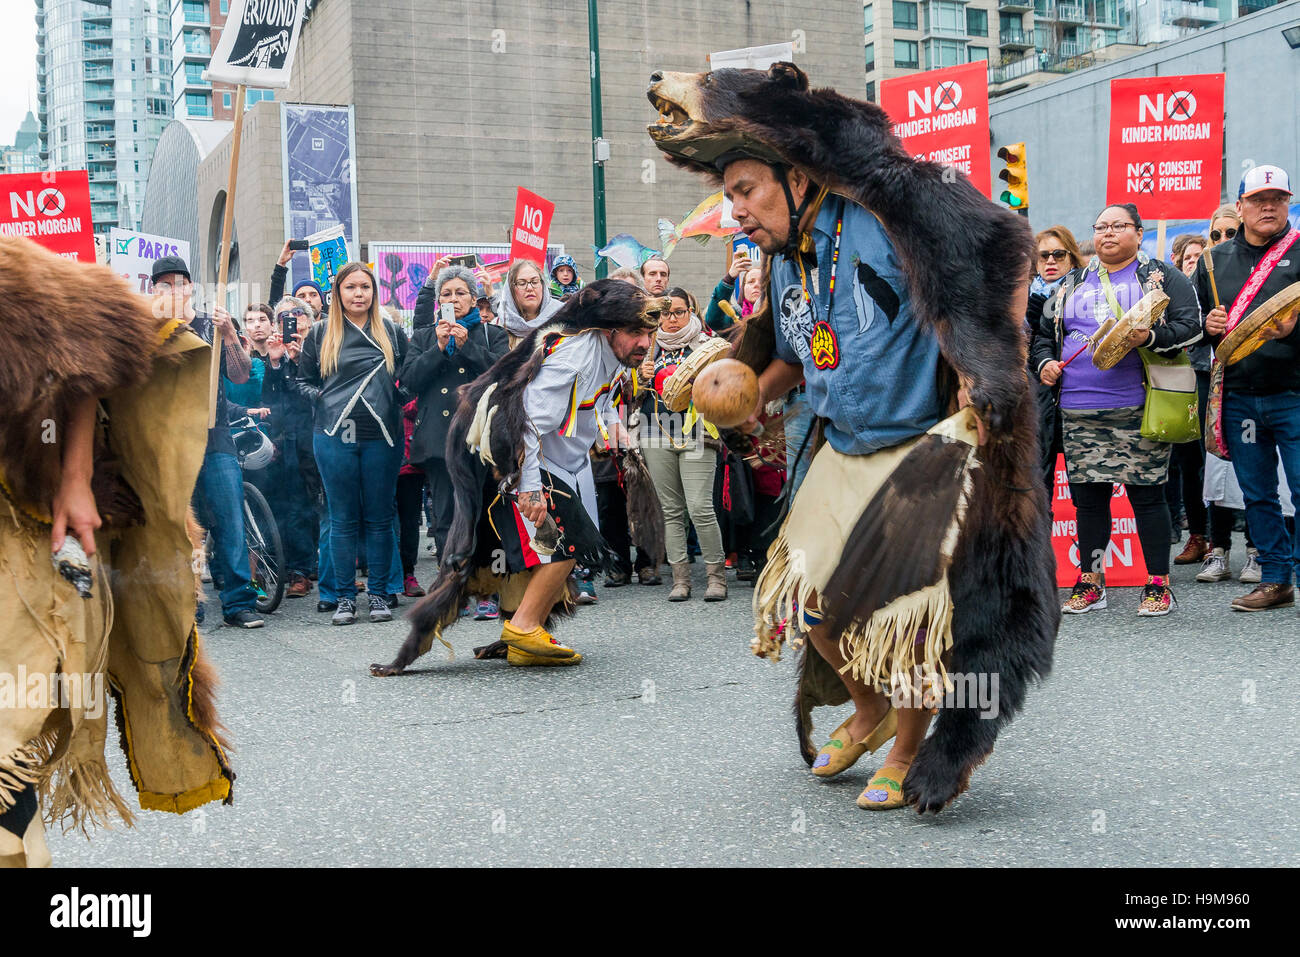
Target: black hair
(677, 292)
(1129, 208)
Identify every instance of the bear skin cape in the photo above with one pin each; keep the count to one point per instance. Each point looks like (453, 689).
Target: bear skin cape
(967, 262)
(490, 417)
(72, 330)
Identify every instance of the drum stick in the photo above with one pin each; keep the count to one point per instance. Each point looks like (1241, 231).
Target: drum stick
(1209, 270)
(1084, 349)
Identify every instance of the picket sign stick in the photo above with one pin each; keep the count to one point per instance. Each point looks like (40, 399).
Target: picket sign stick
(223, 268)
(1160, 239)
(1209, 268)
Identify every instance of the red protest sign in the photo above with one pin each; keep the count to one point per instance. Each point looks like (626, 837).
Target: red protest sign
(532, 226)
(52, 209)
(1124, 562)
(943, 115)
(1166, 145)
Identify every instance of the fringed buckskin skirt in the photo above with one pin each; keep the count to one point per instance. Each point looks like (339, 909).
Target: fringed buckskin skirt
(910, 634)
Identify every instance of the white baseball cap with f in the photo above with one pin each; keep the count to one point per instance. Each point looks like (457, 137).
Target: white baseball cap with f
(1259, 179)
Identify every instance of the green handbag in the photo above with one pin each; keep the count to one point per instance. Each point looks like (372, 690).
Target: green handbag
(1170, 412)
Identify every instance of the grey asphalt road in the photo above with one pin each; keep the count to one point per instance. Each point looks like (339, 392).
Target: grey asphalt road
(1155, 742)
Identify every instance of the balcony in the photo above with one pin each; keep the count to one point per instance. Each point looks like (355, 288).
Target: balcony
(1180, 13)
(1254, 6)
(99, 92)
(97, 73)
(102, 154)
(1014, 69)
(1015, 6)
(99, 134)
(106, 176)
(1016, 40)
(94, 52)
(1069, 13)
(90, 29)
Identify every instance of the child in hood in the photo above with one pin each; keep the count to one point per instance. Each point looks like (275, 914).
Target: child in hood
(564, 277)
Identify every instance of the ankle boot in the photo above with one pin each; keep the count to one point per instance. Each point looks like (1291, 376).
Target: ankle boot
(681, 582)
(717, 578)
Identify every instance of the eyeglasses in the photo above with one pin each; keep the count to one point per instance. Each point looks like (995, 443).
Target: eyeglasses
(679, 313)
(527, 283)
(1060, 255)
(281, 316)
(1217, 234)
(1102, 229)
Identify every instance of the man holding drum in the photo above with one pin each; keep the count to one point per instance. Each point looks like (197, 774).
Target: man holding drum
(1251, 301)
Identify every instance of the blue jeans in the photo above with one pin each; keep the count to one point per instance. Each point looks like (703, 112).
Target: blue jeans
(1259, 429)
(328, 584)
(798, 420)
(361, 489)
(219, 502)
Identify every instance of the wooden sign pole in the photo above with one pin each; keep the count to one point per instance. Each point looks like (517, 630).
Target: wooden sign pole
(223, 269)
(1160, 239)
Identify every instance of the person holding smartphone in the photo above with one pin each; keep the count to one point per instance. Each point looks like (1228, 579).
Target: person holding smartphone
(743, 274)
(450, 347)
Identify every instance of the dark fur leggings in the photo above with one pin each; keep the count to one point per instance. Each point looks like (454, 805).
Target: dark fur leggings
(1092, 508)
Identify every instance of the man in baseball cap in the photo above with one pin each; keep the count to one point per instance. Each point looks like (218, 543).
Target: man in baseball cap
(1260, 410)
(169, 265)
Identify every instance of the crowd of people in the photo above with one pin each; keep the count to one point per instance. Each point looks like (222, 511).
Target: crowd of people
(355, 405)
(338, 413)
(1096, 417)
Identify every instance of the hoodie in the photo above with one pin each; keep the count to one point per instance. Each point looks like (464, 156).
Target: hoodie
(516, 325)
(558, 289)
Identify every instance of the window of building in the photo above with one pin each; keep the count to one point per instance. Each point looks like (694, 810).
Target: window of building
(195, 12)
(977, 22)
(869, 18)
(974, 53)
(196, 104)
(1010, 23)
(194, 73)
(946, 18)
(225, 100)
(905, 17)
(871, 91)
(871, 57)
(939, 53)
(257, 96)
(906, 54)
(225, 7)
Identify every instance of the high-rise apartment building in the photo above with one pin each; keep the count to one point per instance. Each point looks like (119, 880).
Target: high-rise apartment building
(104, 96)
(1026, 41)
(196, 27)
(24, 156)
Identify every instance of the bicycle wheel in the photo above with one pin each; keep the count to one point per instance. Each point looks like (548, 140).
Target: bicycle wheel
(265, 552)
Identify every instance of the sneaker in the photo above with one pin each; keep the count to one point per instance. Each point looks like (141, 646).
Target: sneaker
(488, 609)
(299, 588)
(391, 600)
(1194, 551)
(345, 613)
(412, 588)
(1215, 567)
(1087, 595)
(326, 605)
(1157, 598)
(1252, 573)
(745, 571)
(379, 610)
(469, 608)
(261, 592)
(243, 619)
(1264, 597)
(586, 593)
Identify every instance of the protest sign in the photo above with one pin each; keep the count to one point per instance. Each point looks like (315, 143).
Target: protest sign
(328, 252)
(1124, 564)
(52, 209)
(943, 116)
(132, 254)
(257, 43)
(1166, 144)
(532, 226)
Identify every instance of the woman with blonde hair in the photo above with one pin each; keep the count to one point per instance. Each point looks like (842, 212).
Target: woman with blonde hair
(525, 302)
(352, 358)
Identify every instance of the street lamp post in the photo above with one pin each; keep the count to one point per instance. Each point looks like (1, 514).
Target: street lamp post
(599, 145)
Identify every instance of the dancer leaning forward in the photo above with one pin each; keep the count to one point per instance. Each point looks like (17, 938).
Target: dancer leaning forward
(524, 496)
(915, 556)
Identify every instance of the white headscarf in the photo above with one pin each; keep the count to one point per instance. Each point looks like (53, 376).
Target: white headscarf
(509, 316)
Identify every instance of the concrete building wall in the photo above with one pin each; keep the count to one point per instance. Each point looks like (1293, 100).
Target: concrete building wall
(1065, 124)
(452, 115)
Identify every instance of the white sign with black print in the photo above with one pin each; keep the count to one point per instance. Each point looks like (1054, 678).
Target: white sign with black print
(258, 43)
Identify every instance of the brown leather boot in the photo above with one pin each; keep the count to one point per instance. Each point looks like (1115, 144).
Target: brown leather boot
(1265, 597)
(1194, 551)
(681, 582)
(717, 579)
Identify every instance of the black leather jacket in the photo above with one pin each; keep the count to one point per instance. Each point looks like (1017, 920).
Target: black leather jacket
(360, 384)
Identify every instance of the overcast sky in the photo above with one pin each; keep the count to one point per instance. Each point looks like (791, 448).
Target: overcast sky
(17, 65)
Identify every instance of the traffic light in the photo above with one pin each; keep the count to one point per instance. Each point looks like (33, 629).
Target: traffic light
(1016, 195)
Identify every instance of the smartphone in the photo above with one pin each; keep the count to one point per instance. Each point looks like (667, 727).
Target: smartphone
(469, 261)
(448, 312)
(744, 246)
(290, 329)
(298, 245)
